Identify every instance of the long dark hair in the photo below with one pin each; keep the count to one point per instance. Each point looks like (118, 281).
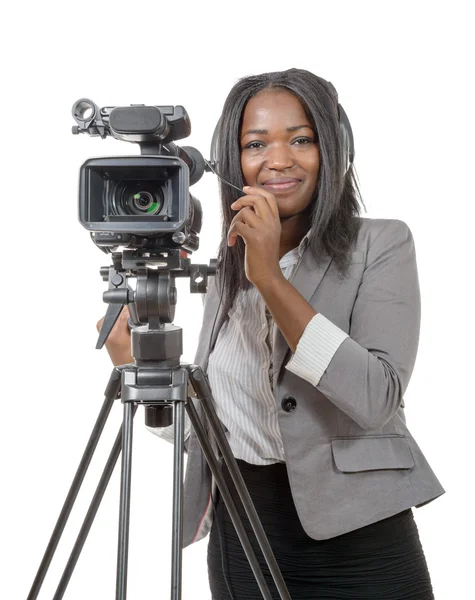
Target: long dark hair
(334, 209)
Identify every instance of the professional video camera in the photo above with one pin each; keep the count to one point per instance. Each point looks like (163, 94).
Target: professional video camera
(140, 201)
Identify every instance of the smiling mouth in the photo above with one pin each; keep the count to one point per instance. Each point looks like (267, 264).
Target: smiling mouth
(282, 187)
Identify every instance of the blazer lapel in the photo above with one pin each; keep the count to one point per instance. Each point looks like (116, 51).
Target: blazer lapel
(213, 314)
(306, 279)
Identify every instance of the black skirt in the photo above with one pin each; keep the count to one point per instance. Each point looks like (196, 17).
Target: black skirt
(384, 560)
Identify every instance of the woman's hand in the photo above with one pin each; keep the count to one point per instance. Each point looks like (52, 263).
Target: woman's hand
(258, 223)
(118, 342)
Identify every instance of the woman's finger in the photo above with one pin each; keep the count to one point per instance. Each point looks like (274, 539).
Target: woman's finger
(257, 202)
(248, 216)
(268, 197)
(245, 216)
(239, 228)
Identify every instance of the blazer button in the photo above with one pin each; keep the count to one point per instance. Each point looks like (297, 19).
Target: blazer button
(289, 403)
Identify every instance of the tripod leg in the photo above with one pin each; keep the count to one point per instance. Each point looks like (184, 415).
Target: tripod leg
(90, 516)
(203, 392)
(177, 539)
(227, 497)
(111, 394)
(124, 513)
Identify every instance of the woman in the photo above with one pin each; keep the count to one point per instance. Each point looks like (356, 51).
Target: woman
(309, 339)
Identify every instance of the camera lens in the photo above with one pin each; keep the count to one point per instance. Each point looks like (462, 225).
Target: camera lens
(139, 198)
(142, 200)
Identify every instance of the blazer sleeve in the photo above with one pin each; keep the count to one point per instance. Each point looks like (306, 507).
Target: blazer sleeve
(366, 373)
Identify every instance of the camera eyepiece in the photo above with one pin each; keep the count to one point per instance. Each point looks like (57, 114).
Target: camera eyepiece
(84, 110)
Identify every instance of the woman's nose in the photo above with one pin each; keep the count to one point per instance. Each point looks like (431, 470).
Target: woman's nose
(278, 156)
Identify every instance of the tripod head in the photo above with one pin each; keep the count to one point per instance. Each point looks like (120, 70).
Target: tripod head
(157, 344)
(154, 299)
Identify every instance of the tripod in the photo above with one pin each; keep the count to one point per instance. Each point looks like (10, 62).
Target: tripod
(158, 381)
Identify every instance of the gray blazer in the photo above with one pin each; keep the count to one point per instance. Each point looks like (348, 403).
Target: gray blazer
(350, 457)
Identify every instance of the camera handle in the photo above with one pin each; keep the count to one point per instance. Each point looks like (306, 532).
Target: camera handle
(158, 381)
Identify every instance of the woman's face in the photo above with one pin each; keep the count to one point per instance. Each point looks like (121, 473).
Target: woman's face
(279, 150)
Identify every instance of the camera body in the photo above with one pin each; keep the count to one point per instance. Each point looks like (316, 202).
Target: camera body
(140, 201)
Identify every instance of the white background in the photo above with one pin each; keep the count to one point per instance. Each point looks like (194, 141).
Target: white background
(405, 78)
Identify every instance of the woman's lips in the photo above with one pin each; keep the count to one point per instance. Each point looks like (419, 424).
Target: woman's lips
(282, 187)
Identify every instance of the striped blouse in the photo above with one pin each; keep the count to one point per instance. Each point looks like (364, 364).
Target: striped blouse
(240, 371)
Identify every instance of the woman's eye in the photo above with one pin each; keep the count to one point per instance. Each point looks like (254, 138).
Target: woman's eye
(254, 145)
(303, 140)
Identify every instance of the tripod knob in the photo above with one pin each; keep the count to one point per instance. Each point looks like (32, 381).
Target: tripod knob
(158, 416)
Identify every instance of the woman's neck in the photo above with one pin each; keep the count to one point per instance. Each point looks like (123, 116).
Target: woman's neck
(293, 231)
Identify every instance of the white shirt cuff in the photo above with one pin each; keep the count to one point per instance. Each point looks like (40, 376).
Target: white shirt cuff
(317, 346)
(167, 433)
